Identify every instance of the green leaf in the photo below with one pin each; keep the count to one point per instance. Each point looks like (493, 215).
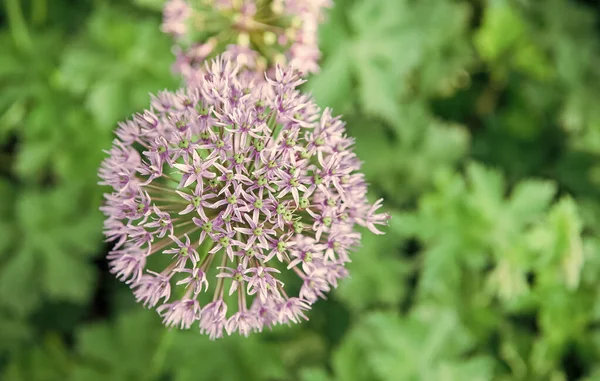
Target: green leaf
(14, 332)
(154, 5)
(314, 374)
(105, 102)
(7, 197)
(116, 63)
(49, 360)
(530, 198)
(487, 188)
(377, 276)
(397, 43)
(566, 248)
(121, 351)
(80, 67)
(19, 285)
(254, 358)
(404, 165)
(58, 235)
(334, 70)
(501, 30)
(421, 347)
(33, 157)
(65, 276)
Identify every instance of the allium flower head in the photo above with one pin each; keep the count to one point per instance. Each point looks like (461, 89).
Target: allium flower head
(232, 197)
(258, 34)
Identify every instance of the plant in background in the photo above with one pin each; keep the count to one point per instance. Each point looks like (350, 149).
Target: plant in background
(257, 33)
(237, 183)
(476, 121)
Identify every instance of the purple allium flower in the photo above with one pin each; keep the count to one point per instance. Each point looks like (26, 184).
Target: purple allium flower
(257, 34)
(175, 15)
(254, 189)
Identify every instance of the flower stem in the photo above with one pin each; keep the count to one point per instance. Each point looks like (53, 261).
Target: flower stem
(39, 10)
(160, 355)
(18, 28)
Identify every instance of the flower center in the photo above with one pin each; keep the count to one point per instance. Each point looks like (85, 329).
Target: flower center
(317, 179)
(259, 145)
(281, 209)
(298, 227)
(196, 201)
(281, 246)
(181, 125)
(207, 227)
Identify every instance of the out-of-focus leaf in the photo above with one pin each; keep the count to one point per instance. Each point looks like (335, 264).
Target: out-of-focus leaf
(47, 361)
(386, 347)
(377, 276)
(116, 64)
(155, 5)
(103, 348)
(564, 249)
(254, 358)
(314, 374)
(19, 285)
(504, 37)
(502, 29)
(33, 157)
(335, 70)
(393, 48)
(406, 164)
(529, 198)
(13, 332)
(105, 101)
(54, 261)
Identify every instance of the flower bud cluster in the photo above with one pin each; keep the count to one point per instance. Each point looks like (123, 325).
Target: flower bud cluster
(258, 34)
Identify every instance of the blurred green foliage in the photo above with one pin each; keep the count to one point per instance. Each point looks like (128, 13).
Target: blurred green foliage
(476, 120)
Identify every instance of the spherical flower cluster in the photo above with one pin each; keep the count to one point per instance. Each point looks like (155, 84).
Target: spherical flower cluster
(223, 191)
(259, 34)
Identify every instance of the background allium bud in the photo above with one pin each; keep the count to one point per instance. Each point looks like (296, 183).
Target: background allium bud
(258, 34)
(234, 204)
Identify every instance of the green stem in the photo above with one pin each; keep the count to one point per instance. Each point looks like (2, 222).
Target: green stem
(166, 340)
(39, 11)
(18, 28)
(160, 355)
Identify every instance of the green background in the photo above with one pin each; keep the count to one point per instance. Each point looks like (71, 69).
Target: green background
(477, 121)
